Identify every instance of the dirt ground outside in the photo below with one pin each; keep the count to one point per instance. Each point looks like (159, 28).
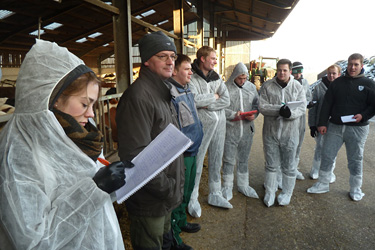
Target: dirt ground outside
(325, 221)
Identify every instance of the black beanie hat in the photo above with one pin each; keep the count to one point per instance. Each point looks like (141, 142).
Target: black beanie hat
(152, 43)
(297, 67)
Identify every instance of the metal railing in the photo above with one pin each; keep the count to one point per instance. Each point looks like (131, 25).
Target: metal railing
(105, 125)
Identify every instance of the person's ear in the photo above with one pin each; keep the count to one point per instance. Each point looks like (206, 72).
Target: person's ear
(146, 64)
(202, 59)
(174, 73)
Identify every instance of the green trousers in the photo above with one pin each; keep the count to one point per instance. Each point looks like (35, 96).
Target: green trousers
(179, 218)
(148, 232)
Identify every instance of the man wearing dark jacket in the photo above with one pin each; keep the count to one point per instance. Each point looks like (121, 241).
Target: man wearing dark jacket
(344, 119)
(145, 110)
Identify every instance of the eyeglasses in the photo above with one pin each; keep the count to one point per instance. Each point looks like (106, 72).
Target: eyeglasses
(165, 57)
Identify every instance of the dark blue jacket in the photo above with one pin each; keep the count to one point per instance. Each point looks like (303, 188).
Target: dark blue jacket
(187, 116)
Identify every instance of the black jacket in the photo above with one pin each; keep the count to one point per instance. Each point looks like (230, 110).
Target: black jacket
(348, 96)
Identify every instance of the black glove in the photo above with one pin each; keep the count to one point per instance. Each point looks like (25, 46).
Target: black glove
(111, 177)
(311, 104)
(285, 111)
(313, 131)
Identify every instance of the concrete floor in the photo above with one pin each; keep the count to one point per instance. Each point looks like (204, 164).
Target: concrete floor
(311, 221)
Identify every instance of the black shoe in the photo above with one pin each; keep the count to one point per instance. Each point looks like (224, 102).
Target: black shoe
(191, 228)
(182, 246)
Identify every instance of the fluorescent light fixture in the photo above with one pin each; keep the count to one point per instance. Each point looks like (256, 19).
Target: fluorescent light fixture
(107, 2)
(163, 22)
(96, 34)
(139, 17)
(82, 40)
(52, 26)
(105, 45)
(5, 13)
(148, 13)
(35, 33)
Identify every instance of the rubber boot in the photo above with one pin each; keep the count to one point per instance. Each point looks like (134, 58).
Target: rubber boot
(270, 184)
(215, 197)
(227, 188)
(322, 185)
(288, 186)
(314, 172)
(355, 182)
(243, 186)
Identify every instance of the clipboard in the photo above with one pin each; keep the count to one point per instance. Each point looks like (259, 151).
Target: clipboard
(153, 159)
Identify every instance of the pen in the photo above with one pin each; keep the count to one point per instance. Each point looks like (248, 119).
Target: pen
(103, 161)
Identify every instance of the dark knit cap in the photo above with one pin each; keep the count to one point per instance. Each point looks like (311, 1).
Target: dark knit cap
(297, 67)
(152, 43)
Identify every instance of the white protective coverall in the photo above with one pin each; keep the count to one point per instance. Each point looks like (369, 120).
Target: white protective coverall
(280, 136)
(48, 199)
(239, 134)
(318, 96)
(302, 126)
(212, 115)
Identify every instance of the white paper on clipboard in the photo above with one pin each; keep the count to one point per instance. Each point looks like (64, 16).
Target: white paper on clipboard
(294, 104)
(153, 159)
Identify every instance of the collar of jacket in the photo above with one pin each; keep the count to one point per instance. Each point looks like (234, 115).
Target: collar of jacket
(157, 84)
(211, 76)
(179, 87)
(325, 81)
(360, 75)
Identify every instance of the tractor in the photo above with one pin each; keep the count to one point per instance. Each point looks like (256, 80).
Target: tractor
(262, 70)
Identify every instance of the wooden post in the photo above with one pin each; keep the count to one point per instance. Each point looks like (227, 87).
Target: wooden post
(200, 33)
(123, 45)
(178, 24)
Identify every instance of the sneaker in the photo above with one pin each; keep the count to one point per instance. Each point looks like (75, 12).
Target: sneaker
(191, 228)
(183, 246)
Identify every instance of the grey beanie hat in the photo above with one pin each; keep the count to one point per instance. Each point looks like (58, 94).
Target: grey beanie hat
(152, 43)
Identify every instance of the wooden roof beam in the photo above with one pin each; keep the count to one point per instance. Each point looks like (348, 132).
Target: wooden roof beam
(104, 6)
(247, 24)
(152, 27)
(106, 25)
(248, 31)
(275, 4)
(147, 7)
(35, 26)
(270, 20)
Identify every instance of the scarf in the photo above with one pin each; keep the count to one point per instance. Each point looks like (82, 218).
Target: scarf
(89, 139)
(211, 75)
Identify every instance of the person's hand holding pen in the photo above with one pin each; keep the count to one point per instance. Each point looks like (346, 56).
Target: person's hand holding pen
(112, 176)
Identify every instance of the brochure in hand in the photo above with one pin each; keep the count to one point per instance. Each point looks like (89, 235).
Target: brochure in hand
(244, 114)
